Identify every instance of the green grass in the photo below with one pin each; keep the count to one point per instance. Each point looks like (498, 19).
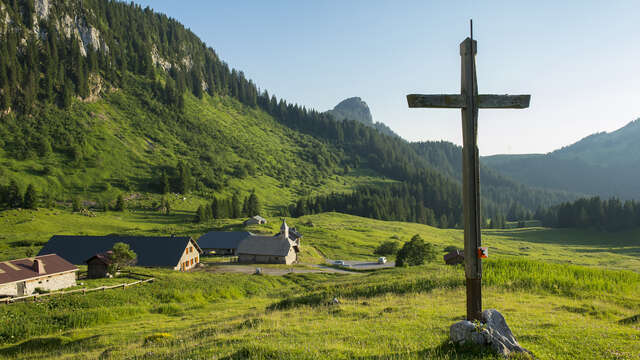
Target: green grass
(397, 313)
(566, 294)
(128, 138)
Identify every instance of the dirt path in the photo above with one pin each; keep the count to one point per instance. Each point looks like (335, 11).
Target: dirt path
(251, 269)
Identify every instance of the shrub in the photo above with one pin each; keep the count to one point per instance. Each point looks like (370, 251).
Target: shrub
(76, 204)
(415, 252)
(157, 337)
(119, 203)
(387, 248)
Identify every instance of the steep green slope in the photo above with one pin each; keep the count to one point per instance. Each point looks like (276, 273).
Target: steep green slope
(100, 96)
(604, 164)
(227, 145)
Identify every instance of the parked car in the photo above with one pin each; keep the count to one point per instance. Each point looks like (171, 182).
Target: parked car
(338, 262)
(382, 260)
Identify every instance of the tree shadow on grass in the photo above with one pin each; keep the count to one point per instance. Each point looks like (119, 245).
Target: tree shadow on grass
(49, 344)
(174, 218)
(445, 350)
(621, 242)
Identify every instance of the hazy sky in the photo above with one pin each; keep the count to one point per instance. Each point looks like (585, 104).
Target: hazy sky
(579, 60)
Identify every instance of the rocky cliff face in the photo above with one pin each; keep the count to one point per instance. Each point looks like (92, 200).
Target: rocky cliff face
(356, 109)
(66, 23)
(353, 109)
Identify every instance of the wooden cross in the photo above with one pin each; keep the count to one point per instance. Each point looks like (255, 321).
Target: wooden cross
(469, 102)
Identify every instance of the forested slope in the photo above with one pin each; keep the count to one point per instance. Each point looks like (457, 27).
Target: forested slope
(100, 97)
(603, 164)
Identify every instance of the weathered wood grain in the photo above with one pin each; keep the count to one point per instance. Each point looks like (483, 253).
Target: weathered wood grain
(455, 101)
(503, 101)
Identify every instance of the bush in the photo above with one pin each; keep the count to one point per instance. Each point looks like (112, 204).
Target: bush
(415, 252)
(119, 203)
(387, 248)
(75, 204)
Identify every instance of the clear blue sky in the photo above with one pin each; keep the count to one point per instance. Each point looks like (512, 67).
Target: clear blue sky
(578, 59)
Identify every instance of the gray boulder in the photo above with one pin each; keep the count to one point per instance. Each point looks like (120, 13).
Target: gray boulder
(493, 332)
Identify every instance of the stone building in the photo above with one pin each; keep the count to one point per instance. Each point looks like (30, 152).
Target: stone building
(277, 249)
(178, 253)
(255, 220)
(48, 272)
(222, 242)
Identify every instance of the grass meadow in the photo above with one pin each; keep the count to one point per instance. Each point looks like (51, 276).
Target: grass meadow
(566, 294)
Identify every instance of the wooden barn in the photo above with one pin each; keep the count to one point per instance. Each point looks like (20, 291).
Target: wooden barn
(47, 272)
(98, 265)
(178, 253)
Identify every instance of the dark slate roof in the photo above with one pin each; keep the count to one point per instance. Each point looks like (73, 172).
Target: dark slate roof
(294, 234)
(222, 239)
(104, 258)
(22, 269)
(151, 251)
(265, 245)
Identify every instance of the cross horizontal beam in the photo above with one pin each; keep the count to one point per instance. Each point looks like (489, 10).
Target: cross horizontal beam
(457, 101)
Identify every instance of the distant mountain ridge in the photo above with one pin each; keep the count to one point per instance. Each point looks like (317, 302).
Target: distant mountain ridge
(603, 164)
(355, 108)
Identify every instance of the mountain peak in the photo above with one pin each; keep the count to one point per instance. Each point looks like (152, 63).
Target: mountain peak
(353, 108)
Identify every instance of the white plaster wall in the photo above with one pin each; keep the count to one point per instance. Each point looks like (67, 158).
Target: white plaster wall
(51, 282)
(54, 282)
(9, 290)
(186, 256)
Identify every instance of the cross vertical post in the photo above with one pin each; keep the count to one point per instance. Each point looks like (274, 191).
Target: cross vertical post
(471, 180)
(469, 102)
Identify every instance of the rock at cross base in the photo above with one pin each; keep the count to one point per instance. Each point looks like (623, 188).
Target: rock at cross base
(493, 331)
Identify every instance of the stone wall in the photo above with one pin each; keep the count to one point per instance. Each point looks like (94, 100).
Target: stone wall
(8, 290)
(267, 259)
(51, 282)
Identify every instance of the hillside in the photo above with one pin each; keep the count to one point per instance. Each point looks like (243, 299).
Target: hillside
(102, 98)
(603, 164)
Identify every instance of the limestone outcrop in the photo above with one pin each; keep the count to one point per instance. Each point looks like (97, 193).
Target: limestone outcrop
(493, 332)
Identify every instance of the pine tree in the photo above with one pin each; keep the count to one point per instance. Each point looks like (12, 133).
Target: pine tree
(30, 197)
(200, 214)
(185, 181)
(235, 206)
(253, 205)
(245, 207)
(119, 203)
(215, 209)
(166, 185)
(67, 93)
(444, 222)
(14, 197)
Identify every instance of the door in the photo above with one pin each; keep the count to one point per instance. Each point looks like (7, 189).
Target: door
(22, 287)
